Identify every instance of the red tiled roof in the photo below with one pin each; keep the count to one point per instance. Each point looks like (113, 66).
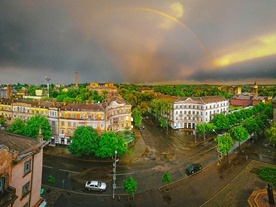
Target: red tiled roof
(198, 100)
(82, 107)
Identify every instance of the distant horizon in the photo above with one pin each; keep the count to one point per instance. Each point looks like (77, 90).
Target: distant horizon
(271, 81)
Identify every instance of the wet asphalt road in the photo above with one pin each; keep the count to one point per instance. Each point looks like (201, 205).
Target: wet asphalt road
(167, 153)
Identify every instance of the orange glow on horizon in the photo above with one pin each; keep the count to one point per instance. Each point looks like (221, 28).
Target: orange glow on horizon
(262, 47)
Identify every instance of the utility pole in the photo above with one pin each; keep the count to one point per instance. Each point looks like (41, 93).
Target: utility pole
(114, 174)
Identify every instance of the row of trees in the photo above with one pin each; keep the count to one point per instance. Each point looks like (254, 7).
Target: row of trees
(253, 119)
(239, 125)
(31, 127)
(79, 95)
(191, 90)
(85, 140)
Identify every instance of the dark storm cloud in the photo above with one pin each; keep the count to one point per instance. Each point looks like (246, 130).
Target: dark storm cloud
(136, 41)
(43, 39)
(255, 69)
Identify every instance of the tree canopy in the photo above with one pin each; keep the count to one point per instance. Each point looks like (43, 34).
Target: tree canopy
(85, 141)
(137, 117)
(221, 122)
(33, 125)
(239, 133)
(109, 143)
(130, 186)
(224, 142)
(270, 134)
(17, 127)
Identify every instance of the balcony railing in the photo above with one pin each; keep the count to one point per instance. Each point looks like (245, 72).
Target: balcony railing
(8, 196)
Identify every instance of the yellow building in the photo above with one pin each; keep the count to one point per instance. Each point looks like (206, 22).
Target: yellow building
(101, 88)
(64, 118)
(73, 115)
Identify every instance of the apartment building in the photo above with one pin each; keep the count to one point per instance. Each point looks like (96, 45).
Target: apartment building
(70, 116)
(118, 115)
(20, 170)
(112, 115)
(187, 112)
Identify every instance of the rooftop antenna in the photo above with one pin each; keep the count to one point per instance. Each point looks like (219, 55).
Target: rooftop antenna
(47, 79)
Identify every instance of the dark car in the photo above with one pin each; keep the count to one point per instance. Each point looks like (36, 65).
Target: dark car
(193, 168)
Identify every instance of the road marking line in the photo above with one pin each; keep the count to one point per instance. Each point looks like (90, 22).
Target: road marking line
(68, 171)
(48, 166)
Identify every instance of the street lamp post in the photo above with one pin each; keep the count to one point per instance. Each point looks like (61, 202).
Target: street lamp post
(114, 173)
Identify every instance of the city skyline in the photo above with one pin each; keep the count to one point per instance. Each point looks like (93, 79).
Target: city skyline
(215, 41)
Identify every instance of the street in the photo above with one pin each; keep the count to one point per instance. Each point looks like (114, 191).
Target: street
(161, 153)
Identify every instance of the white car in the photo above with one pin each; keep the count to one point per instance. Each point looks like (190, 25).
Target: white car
(95, 185)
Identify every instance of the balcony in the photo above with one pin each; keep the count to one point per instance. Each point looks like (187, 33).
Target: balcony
(7, 197)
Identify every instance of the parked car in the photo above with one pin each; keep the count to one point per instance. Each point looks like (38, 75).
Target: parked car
(193, 168)
(95, 185)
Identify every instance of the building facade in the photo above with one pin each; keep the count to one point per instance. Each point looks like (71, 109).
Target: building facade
(112, 115)
(20, 170)
(187, 112)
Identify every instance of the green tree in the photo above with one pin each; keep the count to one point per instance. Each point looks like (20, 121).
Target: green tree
(130, 186)
(143, 107)
(85, 141)
(224, 143)
(204, 128)
(109, 143)
(167, 178)
(270, 134)
(251, 125)
(221, 122)
(239, 133)
(2, 121)
(163, 122)
(17, 126)
(268, 174)
(137, 117)
(33, 125)
(232, 119)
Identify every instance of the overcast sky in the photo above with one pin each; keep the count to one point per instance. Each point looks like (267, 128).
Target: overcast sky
(141, 41)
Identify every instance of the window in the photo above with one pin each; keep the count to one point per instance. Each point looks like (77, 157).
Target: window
(27, 167)
(25, 189)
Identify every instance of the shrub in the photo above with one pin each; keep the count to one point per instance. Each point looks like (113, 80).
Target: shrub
(268, 174)
(51, 179)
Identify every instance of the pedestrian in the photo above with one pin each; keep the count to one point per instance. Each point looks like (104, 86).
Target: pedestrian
(246, 157)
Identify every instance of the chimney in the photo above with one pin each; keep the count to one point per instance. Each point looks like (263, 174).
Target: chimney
(40, 136)
(76, 78)
(8, 91)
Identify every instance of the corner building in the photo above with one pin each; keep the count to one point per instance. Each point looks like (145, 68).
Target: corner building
(187, 112)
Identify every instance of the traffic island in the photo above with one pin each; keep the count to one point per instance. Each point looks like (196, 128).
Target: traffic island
(260, 198)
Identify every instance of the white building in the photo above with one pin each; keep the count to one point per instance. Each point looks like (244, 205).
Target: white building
(186, 113)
